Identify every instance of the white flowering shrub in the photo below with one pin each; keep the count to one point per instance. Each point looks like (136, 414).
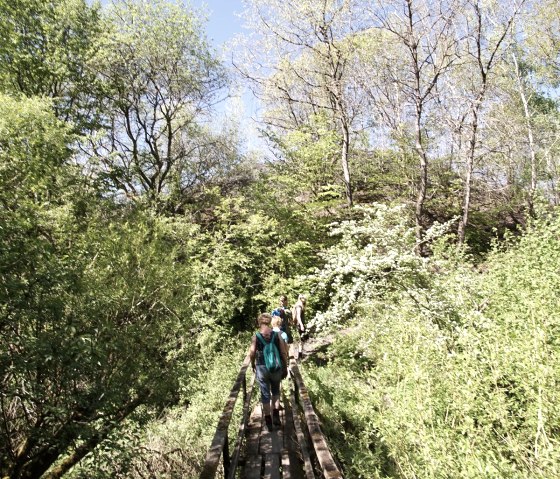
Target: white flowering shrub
(457, 378)
(372, 259)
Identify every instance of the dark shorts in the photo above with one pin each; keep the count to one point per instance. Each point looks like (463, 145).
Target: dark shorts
(268, 382)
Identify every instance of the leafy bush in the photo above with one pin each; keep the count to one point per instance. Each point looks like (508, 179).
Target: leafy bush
(173, 443)
(372, 259)
(455, 375)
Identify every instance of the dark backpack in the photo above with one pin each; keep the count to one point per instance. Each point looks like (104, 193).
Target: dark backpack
(288, 318)
(271, 355)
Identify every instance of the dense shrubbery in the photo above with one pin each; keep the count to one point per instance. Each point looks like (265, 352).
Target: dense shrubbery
(454, 375)
(174, 441)
(138, 243)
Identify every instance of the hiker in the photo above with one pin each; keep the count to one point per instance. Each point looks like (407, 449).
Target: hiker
(269, 381)
(285, 314)
(276, 323)
(299, 316)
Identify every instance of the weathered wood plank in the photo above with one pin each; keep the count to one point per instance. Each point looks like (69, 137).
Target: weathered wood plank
(254, 431)
(240, 432)
(290, 441)
(308, 468)
(265, 446)
(296, 465)
(272, 466)
(277, 441)
(293, 351)
(214, 453)
(328, 466)
(253, 466)
(286, 466)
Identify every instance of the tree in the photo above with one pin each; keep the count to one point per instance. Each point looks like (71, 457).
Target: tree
(485, 39)
(303, 51)
(157, 81)
(91, 304)
(44, 47)
(427, 38)
(543, 37)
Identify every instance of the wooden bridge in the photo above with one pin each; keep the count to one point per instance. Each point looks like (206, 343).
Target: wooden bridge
(295, 450)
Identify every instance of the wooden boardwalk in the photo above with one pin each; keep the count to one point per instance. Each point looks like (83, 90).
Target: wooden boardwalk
(295, 450)
(272, 454)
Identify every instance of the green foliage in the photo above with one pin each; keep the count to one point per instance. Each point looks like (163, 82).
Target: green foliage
(156, 77)
(33, 148)
(95, 300)
(174, 442)
(309, 170)
(455, 376)
(44, 47)
(86, 317)
(130, 276)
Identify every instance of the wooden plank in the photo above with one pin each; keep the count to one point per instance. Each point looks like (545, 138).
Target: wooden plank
(253, 466)
(272, 442)
(292, 463)
(286, 466)
(241, 430)
(265, 445)
(308, 468)
(276, 441)
(290, 441)
(296, 465)
(293, 351)
(254, 431)
(216, 448)
(272, 466)
(290, 351)
(328, 466)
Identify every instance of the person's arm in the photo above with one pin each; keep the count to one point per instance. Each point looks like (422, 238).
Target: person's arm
(253, 351)
(283, 347)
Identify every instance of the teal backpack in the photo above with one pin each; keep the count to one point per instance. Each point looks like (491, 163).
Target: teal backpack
(272, 359)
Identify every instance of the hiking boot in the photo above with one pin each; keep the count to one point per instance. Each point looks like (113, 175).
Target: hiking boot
(276, 417)
(268, 421)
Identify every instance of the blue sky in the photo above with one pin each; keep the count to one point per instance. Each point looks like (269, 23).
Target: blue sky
(223, 23)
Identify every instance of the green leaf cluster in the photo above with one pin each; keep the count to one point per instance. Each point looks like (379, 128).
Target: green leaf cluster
(456, 375)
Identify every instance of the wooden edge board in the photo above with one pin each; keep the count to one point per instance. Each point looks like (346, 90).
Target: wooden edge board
(286, 465)
(241, 430)
(328, 466)
(308, 468)
(214, 453)
(289, 433)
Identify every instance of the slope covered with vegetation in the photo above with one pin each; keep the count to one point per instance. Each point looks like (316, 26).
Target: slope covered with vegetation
(409, 188)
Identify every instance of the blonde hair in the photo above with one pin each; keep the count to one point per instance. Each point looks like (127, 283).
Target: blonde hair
(276, 321)
(302, 298)
(264, 318)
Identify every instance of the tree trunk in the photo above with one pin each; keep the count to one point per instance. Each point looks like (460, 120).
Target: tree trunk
(530, 138)
(469, 167)
(82, 450)
(422, 187)
(345, 166)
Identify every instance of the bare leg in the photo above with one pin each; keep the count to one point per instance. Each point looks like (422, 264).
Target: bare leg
(266, 408)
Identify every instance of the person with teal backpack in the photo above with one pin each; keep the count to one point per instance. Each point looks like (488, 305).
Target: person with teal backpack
(269, 359)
